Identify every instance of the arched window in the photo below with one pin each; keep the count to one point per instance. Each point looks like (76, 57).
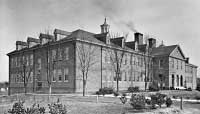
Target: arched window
(177, 81)
(172, 80)
(181, 80)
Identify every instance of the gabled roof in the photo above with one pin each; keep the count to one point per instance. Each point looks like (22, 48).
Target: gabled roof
(163, 50)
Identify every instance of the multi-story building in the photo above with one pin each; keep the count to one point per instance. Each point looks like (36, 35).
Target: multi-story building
(61, 60)
(172, 68)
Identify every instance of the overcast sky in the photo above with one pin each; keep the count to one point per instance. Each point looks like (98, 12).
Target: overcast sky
(173, 21)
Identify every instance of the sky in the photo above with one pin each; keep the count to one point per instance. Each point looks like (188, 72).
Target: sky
(170, 21)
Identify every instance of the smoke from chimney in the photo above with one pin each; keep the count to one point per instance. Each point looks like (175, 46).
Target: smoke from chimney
(115, 11)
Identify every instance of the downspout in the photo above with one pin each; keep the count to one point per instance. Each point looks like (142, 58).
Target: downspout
(9, 77)
(101, 67)
(74, 67)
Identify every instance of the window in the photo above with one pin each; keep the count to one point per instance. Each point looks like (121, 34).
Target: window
(177, 80)
(23, 60)
(133, 60)
(161, 63)
(120, 77)
(134, 75)
(181, 65)
(59, 75)
(130, 77)
(177, 64)
(172, 62)
(53, 55)
(27, 60)
(39, 63)
(15, 62)
(54, 75)
(125, 76)
(67, 53)
(138, 61)
(31, 59)
(12, 62)
(59, 53)
(66, 74)
(31, 77)
(125, 59)
(18, 78)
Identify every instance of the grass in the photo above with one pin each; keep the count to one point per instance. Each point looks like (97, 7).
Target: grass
(77, 104)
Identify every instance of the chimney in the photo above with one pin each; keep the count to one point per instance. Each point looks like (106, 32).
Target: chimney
(187, 60)
(139, 38)
(152, 42)
(20, 45)
(60, 34)
(32, 41)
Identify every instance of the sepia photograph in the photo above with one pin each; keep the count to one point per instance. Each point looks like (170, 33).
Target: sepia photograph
(99, 57)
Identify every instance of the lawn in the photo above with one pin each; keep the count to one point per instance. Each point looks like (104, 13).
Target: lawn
(76, 104)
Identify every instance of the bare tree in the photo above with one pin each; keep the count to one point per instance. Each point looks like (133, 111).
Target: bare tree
(86, 57)
(116, 58)
(147, 65)
(25, 71)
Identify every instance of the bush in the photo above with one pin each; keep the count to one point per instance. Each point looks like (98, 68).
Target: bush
(35, 110)
(116, 93)
(148, 101)
(153, 88)
(57, 108)
(105, 90)
(137, 101)
(197, 97)
(171, 88)
(198, 88)
(168, 102)
(189, 89)
(166, 88)
(158, 99)
(133, 89)
(18, 108)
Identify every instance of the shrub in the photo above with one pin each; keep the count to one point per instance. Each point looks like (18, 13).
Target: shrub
(97, 93)
(148, 101)
(35, 109)
(105, 90)
(124, 94)
(158, 99)
(57, 108)
(133, 89)
(198, 88)
(171, 88)
(153, 87)
(166, 88)
(18, 108)
(116, 93)
(197, 97)
(137, 101)
(168, 102)
(189, 89)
